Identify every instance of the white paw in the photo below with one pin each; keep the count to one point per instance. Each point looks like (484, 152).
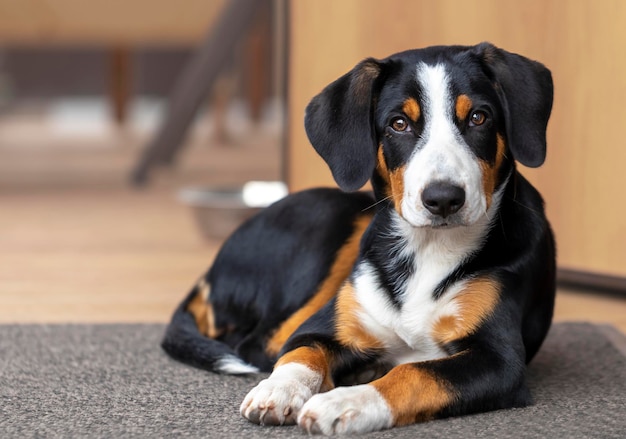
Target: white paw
(356, 409)
(277, 400)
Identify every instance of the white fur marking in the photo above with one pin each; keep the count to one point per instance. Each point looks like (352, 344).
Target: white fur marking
(277, 400)
(441, 155)
(346, 410)
(232, 365)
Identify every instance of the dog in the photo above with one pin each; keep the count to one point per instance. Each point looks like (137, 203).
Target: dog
(423, 301)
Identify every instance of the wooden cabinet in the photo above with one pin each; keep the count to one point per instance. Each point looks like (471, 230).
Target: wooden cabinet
(584, 44)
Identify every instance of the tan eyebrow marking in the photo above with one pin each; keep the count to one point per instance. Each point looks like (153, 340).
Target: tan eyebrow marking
(412, 109)
(463, 106)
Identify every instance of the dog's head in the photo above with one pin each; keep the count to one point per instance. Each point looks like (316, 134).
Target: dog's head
(436, 129)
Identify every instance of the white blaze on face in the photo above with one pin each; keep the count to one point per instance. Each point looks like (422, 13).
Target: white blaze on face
(441, 155)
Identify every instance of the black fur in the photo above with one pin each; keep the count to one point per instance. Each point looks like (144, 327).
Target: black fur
(268, 268)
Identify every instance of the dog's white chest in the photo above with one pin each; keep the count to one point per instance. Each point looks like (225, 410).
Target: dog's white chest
(406, 329)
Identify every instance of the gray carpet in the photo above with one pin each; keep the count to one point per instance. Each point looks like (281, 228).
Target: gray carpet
(114, 381)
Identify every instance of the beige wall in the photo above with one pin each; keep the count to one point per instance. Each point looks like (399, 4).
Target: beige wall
(582, 42)
(89, 22)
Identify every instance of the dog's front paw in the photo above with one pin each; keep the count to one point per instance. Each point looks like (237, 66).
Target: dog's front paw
(275, 401)
(356, 409)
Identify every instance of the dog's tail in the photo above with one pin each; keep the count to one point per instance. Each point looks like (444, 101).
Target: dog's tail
(188, 337)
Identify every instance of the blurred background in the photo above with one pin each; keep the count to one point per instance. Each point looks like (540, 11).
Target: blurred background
(119, 120)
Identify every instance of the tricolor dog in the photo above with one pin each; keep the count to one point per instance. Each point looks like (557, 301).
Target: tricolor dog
(425, 301)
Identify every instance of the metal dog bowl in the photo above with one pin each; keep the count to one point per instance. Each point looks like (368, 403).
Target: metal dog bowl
(220, 210)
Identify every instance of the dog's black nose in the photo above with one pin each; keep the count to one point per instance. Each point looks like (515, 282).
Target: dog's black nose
(443, 199)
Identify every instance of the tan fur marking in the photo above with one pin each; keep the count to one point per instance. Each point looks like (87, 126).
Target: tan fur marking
(475, 302)
(349, 329)
(490, 172)
(396, 179)
(198, 308)
(381, 167)
(413, 394)
(212, 330)
(339, 271)
(393, 179)
(412, 109)
(315, 358)
(463, 106)
(202, 311)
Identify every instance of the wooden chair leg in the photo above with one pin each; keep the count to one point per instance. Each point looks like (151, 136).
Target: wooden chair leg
(194, 83)
(120, 82)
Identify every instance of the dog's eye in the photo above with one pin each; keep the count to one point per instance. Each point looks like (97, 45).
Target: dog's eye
(400, 124)
(477, 118)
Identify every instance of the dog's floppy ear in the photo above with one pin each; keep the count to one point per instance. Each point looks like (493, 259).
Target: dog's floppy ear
(339, 125)
(526, 90)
